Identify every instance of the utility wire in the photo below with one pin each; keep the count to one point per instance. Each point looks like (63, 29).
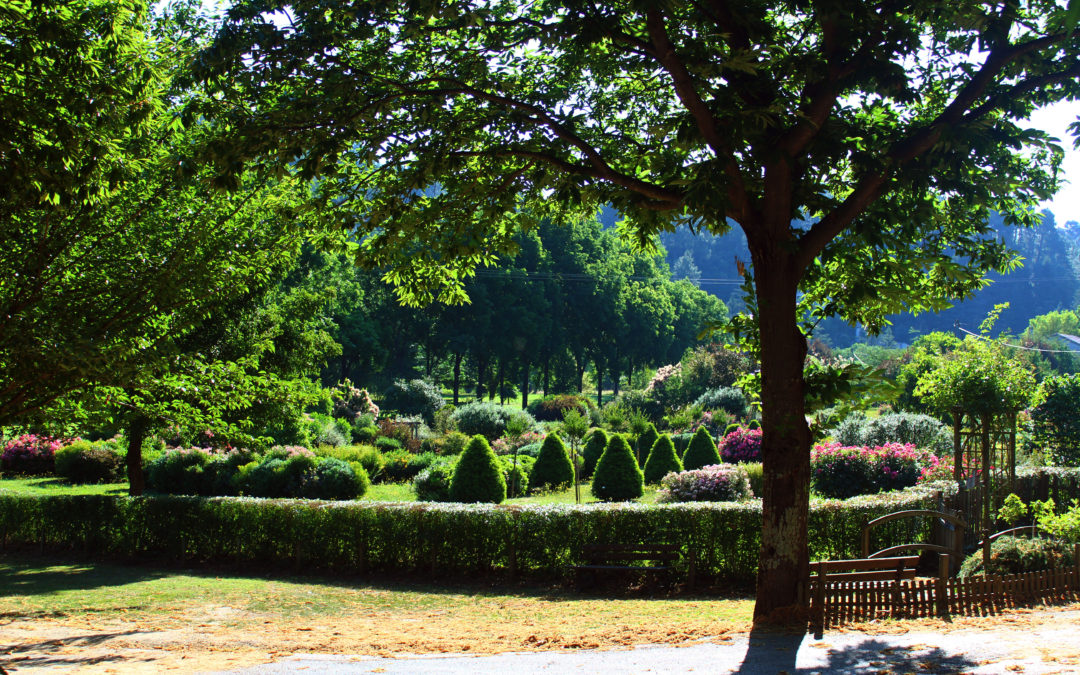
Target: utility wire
(1027, 349)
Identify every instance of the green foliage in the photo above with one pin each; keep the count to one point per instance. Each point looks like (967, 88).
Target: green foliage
(729, 399)
(433, 483)
(487, 419)
(477, 477)
(644, 442)
(1056, 418)
(333, 479)
(516, 473)
(461, 541)
(920, 430)
(617, 476)
(366, 456)
(982, 377)
(755, 473)
(662, 460)
(415, 397)
(401, 466)
(553, 469)
(1016, 555)
(551, 408)
(701, 451)
(326, 430)
(86, 462)
(595, 445)
(1065, 525)
(1012, 510)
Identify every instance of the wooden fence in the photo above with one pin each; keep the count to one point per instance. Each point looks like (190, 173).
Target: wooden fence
(848, 602)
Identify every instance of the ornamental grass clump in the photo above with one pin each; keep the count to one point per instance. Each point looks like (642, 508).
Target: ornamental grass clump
(617, 477)
(552, 470)
(839, 471)
(741, 445)
(662, 460)
(715, 483)
(702, 451)
(477, 477)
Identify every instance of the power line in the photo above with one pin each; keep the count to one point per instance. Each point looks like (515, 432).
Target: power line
(1027, 349)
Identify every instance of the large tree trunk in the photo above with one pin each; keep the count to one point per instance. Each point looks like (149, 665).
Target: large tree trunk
(599, 384)
(136, 432)
(525, 368)
(784, 559)
(547, 376)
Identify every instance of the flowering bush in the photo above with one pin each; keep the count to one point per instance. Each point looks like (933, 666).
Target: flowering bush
(844, 471)
(935, 469)
(713, 483)
(663, 374)
(741, 445)
(30, 454)
(506, 446)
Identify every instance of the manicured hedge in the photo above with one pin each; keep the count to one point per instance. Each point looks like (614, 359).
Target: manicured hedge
(428, 538)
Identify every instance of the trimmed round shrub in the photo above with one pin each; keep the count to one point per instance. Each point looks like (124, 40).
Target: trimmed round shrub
(487, 419)
(729, 399)
(701, 452)
(415, 397)
(617, 477)
(179, 472)
(840, 472)
(753, 424)
(332, 478)
(1016, 555)
(643, 443)
(401, 466)
(30, 455)
(553, 469)
(662, 460)
(477, 477)
(919, 430)
(595, 444)
(86, 462)
(716, 483)
(433, 483)
(530, 450)
(552, 407)
(741, 445)
(516, 477)
(366, 456)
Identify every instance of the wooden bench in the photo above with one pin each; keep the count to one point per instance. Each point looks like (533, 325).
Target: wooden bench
(648, 560)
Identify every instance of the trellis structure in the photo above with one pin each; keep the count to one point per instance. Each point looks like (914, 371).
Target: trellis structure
(984, 465)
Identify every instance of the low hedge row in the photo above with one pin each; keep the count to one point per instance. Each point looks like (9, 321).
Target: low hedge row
(429, 538)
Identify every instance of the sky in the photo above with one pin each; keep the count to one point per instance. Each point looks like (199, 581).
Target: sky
(1055, 120)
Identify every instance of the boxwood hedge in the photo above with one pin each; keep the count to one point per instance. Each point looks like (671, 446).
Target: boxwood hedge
(427, 538)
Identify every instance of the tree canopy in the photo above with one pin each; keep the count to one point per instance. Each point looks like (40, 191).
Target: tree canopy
(859, 146)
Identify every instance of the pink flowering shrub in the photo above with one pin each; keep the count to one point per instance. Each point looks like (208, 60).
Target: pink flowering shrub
(741, 445)
(843, 471)
(30, 454)
(506, 446)
(713, 483)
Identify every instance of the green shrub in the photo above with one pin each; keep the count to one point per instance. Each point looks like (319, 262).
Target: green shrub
(701, 452)
(595, 444)
(662, 460)
(516, 477)
(181, 472)
(366, 456)
(755, 472)
(477, 477)
(552, 407)
(402, 466)
(922, 431)
(433, 483)
(617, 476)
(729, 399)
(553, 469)
(331, 478)
(386, 444)
(86, 462)
(753, 424)
(643, 443)
(1056, 419)
(734, 426)
(1016, 555)
(326, 430)
(415, 397)
(487, 419)
(530, 450)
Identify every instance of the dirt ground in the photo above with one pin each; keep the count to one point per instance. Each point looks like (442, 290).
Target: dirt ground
(220, 637)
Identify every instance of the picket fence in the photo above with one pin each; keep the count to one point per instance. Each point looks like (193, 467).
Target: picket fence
(850, 602)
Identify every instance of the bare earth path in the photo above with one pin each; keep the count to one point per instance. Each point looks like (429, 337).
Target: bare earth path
(218, 638)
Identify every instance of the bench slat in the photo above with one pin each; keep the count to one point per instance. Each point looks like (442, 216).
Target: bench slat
(834, 566)
(874, 575)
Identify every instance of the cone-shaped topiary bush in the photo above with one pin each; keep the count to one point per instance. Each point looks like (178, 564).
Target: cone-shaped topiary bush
(617, 477)
(594, 447)
(702, 451)
(477, 477)
(553, 469)
(662, 460)
(645, 442)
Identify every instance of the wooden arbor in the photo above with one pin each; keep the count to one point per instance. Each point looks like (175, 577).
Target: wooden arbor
(984, 464)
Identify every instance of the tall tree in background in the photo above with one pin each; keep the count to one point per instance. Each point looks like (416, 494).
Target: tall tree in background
(859, 146)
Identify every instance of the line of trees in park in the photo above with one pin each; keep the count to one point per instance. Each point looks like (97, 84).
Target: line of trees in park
(159, 169)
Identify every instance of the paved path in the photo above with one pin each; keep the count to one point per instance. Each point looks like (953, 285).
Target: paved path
(1003, 650)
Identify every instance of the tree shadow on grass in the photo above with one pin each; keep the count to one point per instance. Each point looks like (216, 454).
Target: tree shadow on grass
(22, 575)
(47, 653)
(776, 651)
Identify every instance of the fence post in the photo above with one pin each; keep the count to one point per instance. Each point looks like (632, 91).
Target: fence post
(941, 584)
(819, 600)
(986, 551)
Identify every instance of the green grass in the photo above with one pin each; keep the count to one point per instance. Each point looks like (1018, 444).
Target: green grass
(51, 485)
